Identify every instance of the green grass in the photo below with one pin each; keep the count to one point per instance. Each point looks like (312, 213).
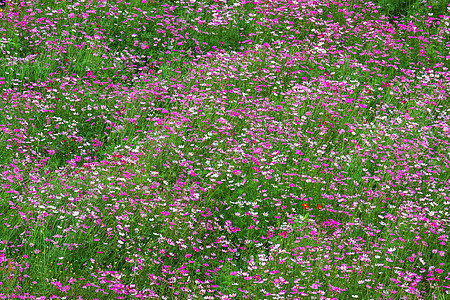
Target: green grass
(223, 149)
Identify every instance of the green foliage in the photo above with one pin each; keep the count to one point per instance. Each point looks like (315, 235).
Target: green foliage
(408, 8)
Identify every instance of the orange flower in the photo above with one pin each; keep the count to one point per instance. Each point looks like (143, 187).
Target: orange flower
(305, 206)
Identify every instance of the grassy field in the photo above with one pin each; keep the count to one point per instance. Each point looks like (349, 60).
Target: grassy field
(223, 150)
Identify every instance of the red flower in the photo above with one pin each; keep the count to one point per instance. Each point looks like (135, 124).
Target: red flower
(305, 206)
(319, 206)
